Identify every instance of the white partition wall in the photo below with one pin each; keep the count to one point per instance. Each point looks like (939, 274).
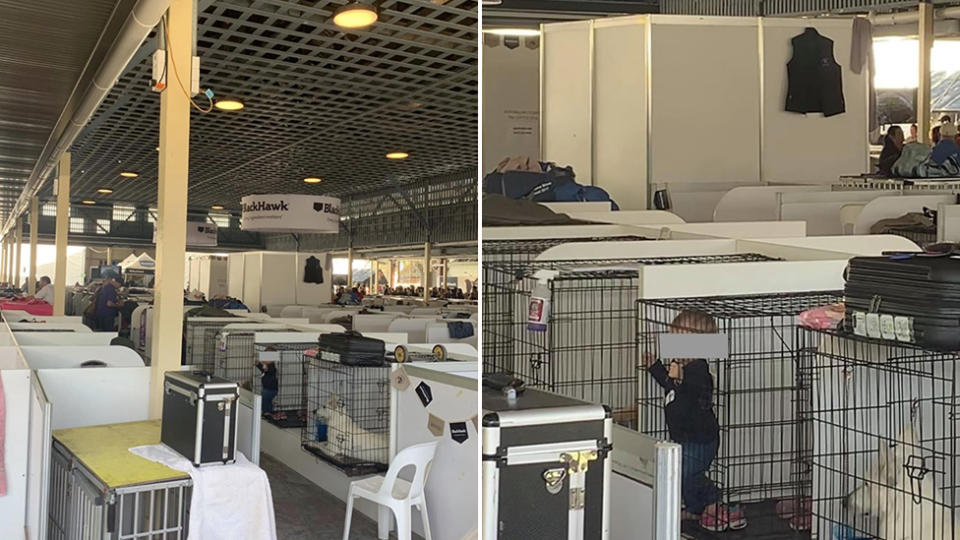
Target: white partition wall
(630, 102)
(620, 113)
(810, 148)
(705, 92)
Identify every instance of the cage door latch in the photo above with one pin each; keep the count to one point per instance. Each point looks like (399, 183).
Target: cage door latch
(553, 478)
(916, 468)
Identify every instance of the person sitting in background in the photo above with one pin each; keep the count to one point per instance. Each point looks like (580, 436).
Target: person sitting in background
(946, 147)
(45, 290)
(913, 134)
(459, 293)
(892, 146)
(935, 134)
(269, 383)
(946, 119)
(107, 303)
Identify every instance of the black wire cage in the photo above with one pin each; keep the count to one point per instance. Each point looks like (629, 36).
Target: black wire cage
(348, 415)
(882, 424)
(289, 405)
(235, 353)
(200, 341)
(754, 397)
(588, 349)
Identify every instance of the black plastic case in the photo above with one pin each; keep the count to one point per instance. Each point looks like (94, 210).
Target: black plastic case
(352, 349)
(907, 298)
(200, 416)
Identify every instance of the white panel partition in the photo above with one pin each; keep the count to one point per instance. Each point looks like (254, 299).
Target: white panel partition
(809, 148)
(896, 206)
(53, 357)
(95, 396)
(709, 91)
(248, 425)
(38, 466)
(48, 327)
(565, 95)
(754, 203)
(13, 505)
(619, 111)
(64, 339)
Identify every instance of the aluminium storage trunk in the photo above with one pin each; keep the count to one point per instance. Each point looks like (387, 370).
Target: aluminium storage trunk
(200, 416)
(545, 467)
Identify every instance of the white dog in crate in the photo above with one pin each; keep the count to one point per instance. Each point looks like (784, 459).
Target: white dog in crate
(908, 507)
(347, 438)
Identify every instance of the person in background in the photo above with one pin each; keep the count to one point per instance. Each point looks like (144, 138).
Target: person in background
(946, 119)
(45, 290)
(892, 146)
(935, 135)
(691, 421)
(913, 134)
(107, 303)
(946, 147)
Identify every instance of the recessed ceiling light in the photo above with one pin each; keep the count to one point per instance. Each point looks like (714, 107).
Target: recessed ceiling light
(355, 15)
(105, 191)
(216, 207)
(398, 155)
(129, 174)
(312, 180)
(229, 104)
(88, 201)
(518, 32)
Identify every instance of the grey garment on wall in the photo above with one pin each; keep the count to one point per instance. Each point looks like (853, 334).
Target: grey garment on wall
(861, 55)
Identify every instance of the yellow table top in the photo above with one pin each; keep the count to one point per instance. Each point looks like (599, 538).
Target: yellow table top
(105, 451)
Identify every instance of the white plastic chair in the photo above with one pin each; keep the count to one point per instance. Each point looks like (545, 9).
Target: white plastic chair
(396, 494)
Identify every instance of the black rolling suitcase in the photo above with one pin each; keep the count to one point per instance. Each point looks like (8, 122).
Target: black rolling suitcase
(910, 298)
(200, 416)
(352, 349)
(545, 467)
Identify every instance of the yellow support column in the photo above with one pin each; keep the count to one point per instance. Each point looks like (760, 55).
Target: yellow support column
(34, 225)
(17, 248)
(171, 223)
(109, 255)
(63, 229)
(3, 260)
(349, 268)
(426, 272)
(923, 88)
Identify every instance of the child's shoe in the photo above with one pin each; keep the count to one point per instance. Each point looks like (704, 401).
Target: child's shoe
(714, 520)
(735, 518)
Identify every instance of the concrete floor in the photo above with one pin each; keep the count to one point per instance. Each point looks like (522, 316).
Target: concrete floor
(304, 511)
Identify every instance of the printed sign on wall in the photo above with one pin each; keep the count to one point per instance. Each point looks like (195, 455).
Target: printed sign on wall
(290, 213)
(198, 234)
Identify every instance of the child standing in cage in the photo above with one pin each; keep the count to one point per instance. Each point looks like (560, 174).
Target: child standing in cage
(269, 383)
(693, 424)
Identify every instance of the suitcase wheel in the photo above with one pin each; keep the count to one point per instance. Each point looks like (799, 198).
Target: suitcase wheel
(400, 354)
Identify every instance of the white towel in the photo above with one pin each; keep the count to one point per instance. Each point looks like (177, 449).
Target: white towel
(229, 502)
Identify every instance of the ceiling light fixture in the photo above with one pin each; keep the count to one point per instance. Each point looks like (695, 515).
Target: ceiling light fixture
(216, 207)
(88, 201)
(105, 191)
(229, 104)
(398, 155)
(312, 180)
(518, 32)
(129, 174)
(355, 15)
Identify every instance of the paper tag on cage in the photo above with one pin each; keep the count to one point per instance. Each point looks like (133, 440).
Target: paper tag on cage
(903, 327)
(330, 356)
(269, 356)
(435, 425)
(887, 327)
(873, 325)
(399, 379)
(860, 323)
(222, 342)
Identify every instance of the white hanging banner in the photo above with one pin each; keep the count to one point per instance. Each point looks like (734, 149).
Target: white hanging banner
(290, 213)
(198, 234)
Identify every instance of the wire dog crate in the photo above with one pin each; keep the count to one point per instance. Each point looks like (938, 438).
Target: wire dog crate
(755, 390)
(589, 349)
(200, 341)
(883, 423)
(235, 352)
(290, 368)
(348, 415)
(83, 506)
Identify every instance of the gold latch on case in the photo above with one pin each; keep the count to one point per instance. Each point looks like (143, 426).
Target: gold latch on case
(554, 480)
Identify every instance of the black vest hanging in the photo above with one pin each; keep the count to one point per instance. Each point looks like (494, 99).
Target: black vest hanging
(313, 272)
(814, 79)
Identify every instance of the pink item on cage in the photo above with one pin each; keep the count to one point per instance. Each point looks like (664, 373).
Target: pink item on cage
(822, 317)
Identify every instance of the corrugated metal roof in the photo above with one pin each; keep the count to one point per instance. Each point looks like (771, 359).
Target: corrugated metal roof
(44, 46)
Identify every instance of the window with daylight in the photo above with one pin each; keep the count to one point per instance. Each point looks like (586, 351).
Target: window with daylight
(220, 220)
(77, 225)
(123, 212)
(151, 215)
(103, 226)
(48, 210)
